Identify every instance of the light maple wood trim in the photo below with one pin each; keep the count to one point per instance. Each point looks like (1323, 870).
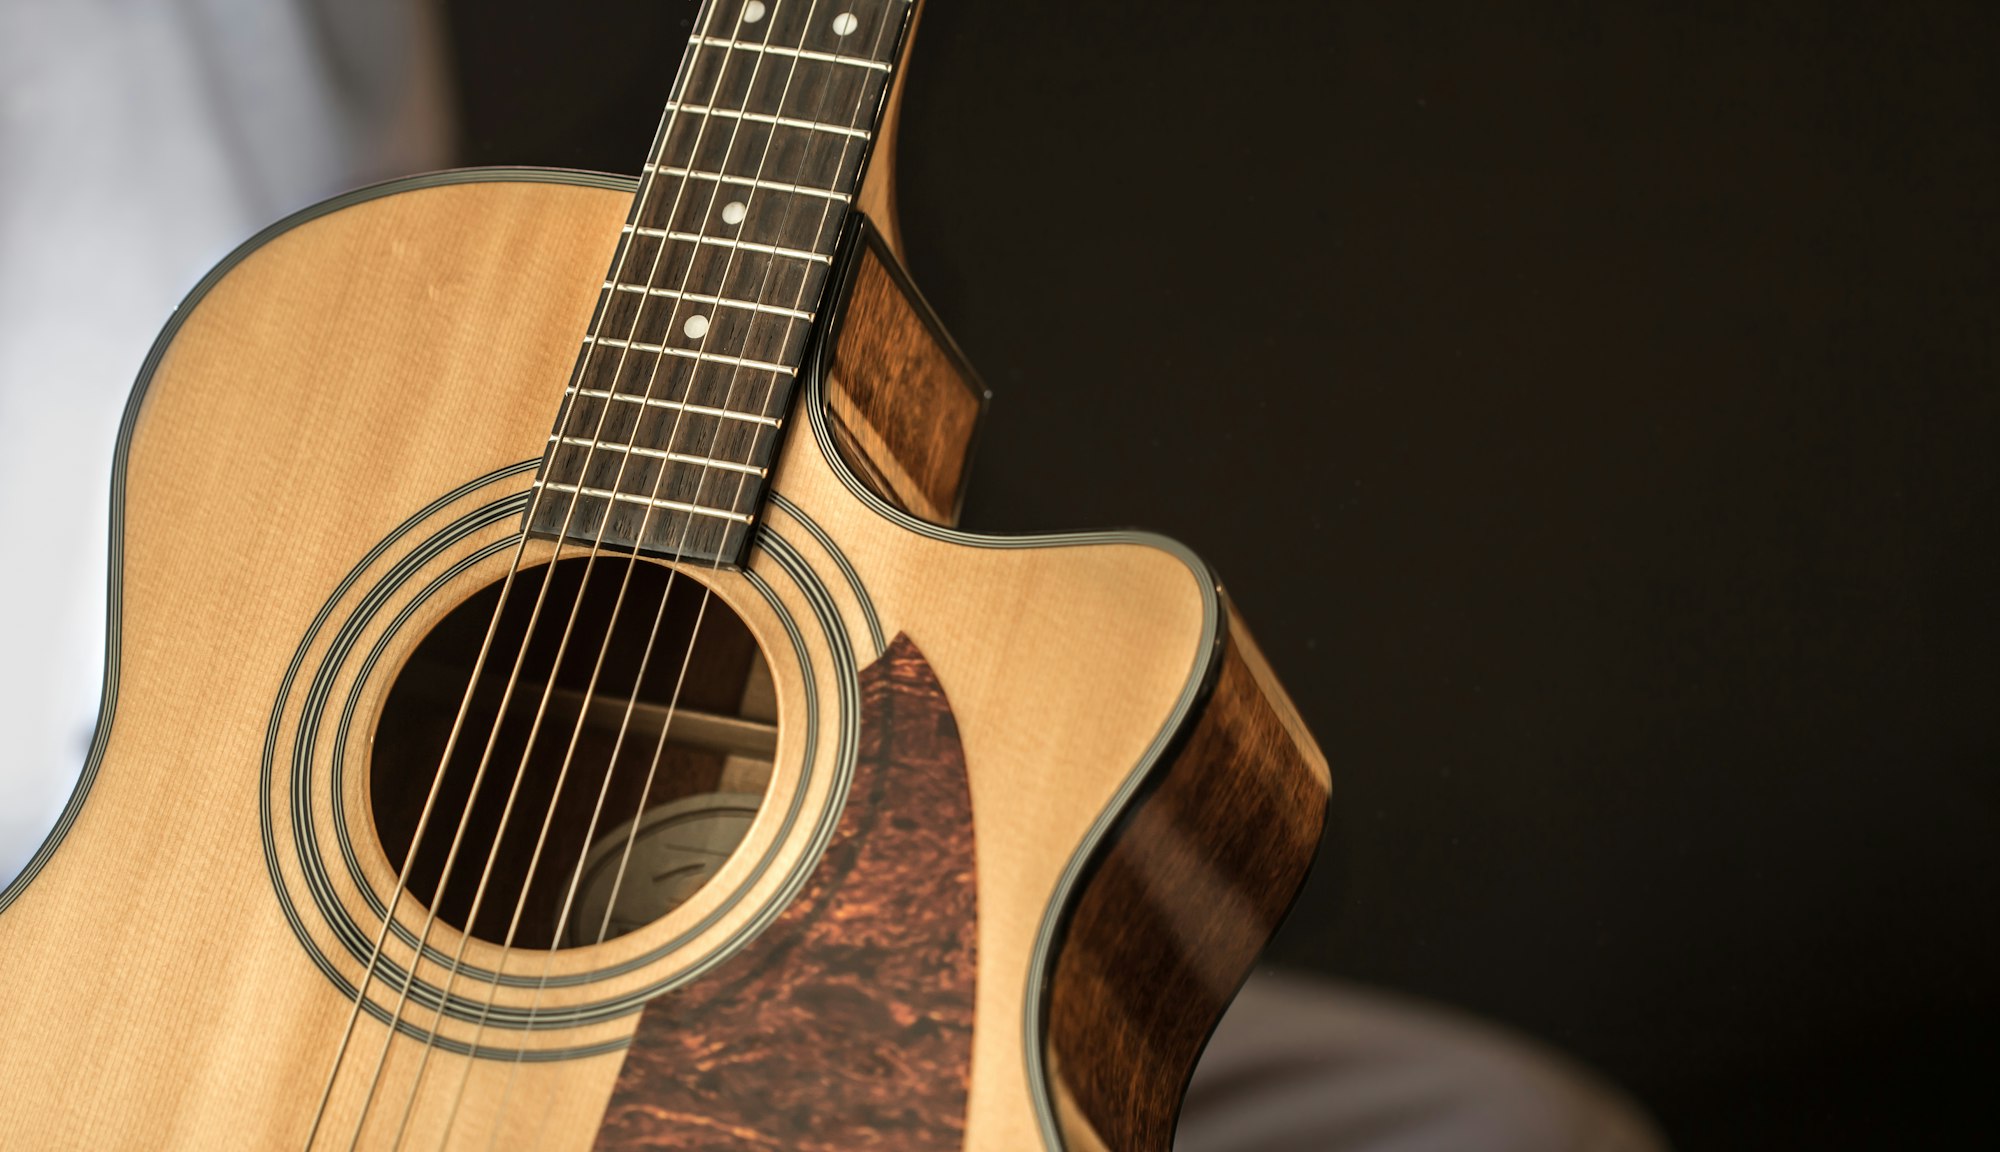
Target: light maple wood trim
(878, 188)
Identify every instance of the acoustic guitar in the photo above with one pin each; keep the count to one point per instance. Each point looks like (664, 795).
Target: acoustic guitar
(548, 705)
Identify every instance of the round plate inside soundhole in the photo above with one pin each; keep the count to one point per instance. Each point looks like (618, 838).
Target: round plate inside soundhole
(652, 865)
(659, 704)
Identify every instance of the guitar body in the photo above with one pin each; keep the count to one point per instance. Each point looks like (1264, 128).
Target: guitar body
(1031, 805)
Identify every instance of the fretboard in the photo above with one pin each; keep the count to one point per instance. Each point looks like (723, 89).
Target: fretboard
(682, 389)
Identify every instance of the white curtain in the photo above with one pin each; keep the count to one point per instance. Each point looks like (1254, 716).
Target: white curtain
(141, 140)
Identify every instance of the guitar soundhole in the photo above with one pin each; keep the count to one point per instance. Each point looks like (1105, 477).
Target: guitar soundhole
(679, 774)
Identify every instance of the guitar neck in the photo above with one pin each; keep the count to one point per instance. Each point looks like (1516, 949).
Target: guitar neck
(682, 389)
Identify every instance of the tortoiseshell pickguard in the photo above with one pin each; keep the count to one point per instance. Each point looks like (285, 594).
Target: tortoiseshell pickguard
(848, 1023)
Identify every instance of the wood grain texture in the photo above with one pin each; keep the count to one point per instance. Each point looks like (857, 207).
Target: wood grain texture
(153, 994)
(877, 196)
(903, 404)
(348, 371)
(785, 147)
(848, 1024)
(1179, 905)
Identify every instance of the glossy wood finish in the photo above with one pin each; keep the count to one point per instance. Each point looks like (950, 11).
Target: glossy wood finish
(877, 197)
(388, 349)
(342, 374)
(1197, 877)
(151, 992)
(680, 392)
(1180, 902)
(902, 403)
(848, 1023)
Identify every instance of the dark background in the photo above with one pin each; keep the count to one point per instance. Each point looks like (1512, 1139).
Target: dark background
(1594, 411)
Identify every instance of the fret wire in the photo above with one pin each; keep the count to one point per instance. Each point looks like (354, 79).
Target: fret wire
(654, 501)
(745, 245)
(704, 298)
(851, 83)
(681, 405)
(676, 457)
(753, 182)
(691, 354)
(799, 53)
(767, 118)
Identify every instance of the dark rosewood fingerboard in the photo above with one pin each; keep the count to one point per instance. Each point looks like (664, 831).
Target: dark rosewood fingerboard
(683, 386)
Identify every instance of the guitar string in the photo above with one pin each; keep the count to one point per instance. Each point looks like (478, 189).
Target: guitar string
(562, 534)
(598, 665)
(539, 719)
(563, 646)
(458, 722)
(889, 13)
(839, 161)
(891, 21)
(596, 671)
(646, 790)
(728, 399)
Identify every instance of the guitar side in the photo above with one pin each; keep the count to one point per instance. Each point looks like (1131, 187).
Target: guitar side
(1143, 800)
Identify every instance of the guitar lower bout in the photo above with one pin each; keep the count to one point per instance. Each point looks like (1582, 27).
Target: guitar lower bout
(961, 842)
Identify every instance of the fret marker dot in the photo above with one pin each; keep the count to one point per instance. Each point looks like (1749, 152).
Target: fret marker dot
(845, 23)
(753, 12)
(696, 327)
(733, 212)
